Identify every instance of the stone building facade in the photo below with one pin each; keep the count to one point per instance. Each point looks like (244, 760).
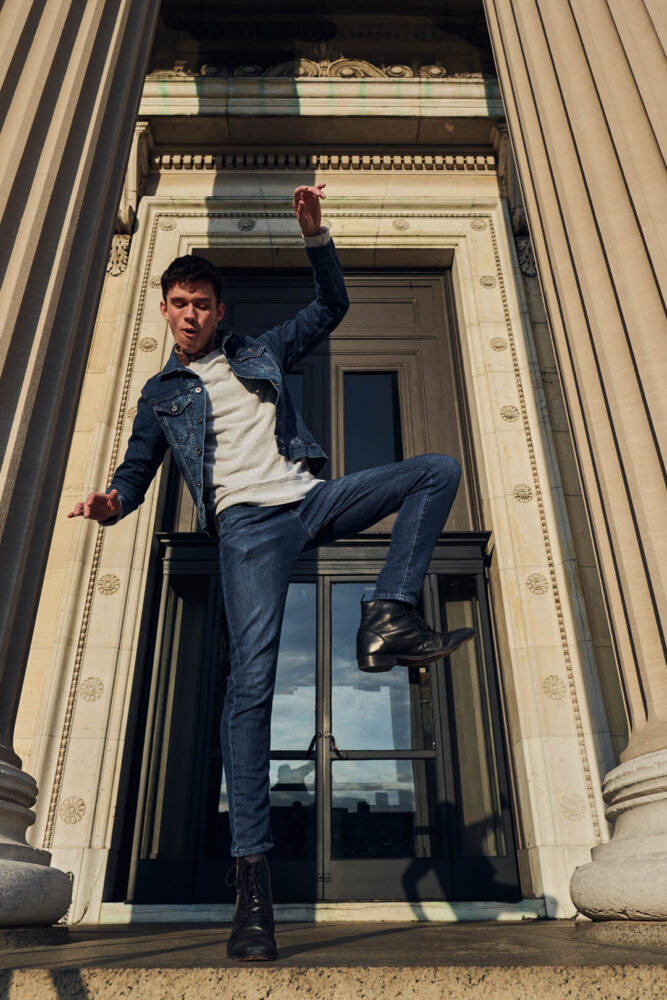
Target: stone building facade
(493, 189)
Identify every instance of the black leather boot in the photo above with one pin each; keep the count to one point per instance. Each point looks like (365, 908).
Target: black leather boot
(252, 938)
(394, 632)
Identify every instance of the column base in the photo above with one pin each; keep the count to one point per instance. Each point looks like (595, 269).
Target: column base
(627, 878)
(31, 893)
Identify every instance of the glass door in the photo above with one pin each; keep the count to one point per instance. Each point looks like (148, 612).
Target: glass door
(383, 786)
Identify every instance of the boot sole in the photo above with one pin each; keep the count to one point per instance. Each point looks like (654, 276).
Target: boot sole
(380, 663)
(253, 958)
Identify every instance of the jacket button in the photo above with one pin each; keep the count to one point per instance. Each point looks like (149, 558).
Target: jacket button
(198, 484)
(199, 451)
(198, 388)
(201, 420)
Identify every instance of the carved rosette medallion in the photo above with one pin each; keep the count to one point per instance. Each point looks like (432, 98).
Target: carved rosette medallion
(554, 687)
(131, 413)
(479, 225)
(537, 583)
(120, 250)
(246, 225)
(400, 225)
(509, 413)
(155, 281)
(147, 344)
(522, 492)
(498, 344)
(573, 807)
(91, 689)
(167, 224)
(108, 584)
(72, 810)
(487, 281)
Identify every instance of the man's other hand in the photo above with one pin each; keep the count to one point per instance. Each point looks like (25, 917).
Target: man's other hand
(306, 203)
(98, 506)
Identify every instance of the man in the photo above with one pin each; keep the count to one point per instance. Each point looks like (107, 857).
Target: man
(251, 465)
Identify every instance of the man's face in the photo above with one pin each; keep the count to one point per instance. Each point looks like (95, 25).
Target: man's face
(192, 314)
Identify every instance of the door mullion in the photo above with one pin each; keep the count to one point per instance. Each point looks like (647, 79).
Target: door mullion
(441, 732)
(323, 722)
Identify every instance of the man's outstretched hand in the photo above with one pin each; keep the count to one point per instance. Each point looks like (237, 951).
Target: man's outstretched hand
(98, 506)
(307, 209)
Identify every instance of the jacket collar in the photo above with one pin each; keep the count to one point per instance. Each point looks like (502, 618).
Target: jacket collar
(174, 365)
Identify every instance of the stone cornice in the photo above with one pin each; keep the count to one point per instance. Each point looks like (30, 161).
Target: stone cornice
(323, 161)
(183, 94)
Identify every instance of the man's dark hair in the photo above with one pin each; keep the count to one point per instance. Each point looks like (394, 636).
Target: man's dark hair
(186, 270)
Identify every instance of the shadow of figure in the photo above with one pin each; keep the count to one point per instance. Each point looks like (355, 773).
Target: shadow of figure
(477, 872)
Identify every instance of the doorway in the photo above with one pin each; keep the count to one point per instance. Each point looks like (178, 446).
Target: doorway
(382, 787)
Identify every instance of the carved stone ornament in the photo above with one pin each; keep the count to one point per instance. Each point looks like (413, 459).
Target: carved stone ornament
(131, 413)
(509, 413)
(91, 689)
(504, 154)
(108, 584)
(537, 583)
(254, 160)
(487, 281)
(573, 807)
(72, 810)
(120, 249)
(138, 166)
(554, 687)
(147, 344)
(526, 260)
(155, 281)
(400, 225)
(167, 224)
(498, 344)
(522, 492)
(246, 225)
(479, 225)
(321, 60)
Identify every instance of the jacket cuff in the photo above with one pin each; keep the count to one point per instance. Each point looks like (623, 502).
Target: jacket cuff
(113, 520)
(321, 240)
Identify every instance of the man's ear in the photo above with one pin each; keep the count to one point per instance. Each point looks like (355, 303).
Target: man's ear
(220, 311)
(163, 309)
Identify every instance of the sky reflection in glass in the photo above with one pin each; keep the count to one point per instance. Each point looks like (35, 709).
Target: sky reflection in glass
(369, 711)
(293, 719)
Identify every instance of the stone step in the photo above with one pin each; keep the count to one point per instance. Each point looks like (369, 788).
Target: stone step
(407, 961)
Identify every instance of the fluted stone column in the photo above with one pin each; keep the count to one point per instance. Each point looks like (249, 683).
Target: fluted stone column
(72, 73)
(582, 82)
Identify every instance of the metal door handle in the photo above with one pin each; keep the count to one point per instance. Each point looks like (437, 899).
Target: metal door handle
(332, 743)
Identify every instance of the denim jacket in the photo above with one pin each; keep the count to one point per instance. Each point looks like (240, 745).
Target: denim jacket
(171, 411)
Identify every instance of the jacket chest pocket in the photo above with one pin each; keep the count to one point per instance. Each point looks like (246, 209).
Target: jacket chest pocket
(175, 415)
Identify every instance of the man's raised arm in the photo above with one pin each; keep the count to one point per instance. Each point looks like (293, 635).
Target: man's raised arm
(295, 338)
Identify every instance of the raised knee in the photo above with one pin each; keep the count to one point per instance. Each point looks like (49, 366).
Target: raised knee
(447, 469)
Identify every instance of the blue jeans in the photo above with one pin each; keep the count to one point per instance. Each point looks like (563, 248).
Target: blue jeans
(258, 549)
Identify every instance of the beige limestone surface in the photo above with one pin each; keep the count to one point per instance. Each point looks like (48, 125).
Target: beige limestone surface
(397, 961)
(91, 608)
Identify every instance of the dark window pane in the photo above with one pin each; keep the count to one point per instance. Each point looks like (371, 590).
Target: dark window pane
(372, 420)
(384, 809)
(476, 762)
(294, 386)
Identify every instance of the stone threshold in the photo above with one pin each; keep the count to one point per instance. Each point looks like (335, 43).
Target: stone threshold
(536, 959)
(433, 911)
